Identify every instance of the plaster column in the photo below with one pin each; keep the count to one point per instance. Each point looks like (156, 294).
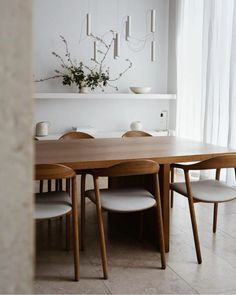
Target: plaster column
(16, 149)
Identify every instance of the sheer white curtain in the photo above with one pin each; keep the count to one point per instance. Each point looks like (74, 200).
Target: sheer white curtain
(206, 71)
(206, 63)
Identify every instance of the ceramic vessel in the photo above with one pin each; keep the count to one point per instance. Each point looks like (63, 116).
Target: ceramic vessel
(140, 90)
(136, 126)
(84, 90)
(42, 128)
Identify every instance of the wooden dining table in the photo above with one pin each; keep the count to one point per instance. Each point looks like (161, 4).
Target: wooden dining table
(101, 153)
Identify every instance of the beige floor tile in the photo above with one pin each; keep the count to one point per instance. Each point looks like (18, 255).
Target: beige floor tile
(144, 277)
(134, 265)
(214, 275)
(54, 275)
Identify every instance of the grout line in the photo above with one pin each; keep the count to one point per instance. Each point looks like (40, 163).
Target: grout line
(183, 279)
(109, 291)
(96, 270)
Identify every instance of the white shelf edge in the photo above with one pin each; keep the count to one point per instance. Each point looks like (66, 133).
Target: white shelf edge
(104, 96)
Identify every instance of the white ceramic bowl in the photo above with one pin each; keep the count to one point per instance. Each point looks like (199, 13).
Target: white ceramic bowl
(140, 90)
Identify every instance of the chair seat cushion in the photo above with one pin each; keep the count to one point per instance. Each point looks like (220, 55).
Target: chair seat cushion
(51, 204)
(124, 200)
(207, 190)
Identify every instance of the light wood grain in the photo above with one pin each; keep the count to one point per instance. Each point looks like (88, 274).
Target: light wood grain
(103, 153)
(75, 135)
(217, 163)
(129, 168)
(134, 133)
(57, 171)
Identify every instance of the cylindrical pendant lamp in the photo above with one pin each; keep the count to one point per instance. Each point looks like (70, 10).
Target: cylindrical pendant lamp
(128, 28)
(95, 50)
(153, 50)
(153, 20)
(114, 53)
(117, 44)
(88, 27)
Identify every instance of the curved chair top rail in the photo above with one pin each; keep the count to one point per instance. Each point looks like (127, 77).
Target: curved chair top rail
(134, 133)
(225, 161)
(75, 135)
(53, 171)
(128, 168)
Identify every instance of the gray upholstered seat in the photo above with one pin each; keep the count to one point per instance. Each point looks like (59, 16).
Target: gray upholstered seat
(207, 190)
(124, 200)
(51, 204)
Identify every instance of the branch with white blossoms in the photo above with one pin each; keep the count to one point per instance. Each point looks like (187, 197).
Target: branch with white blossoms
(82, 75)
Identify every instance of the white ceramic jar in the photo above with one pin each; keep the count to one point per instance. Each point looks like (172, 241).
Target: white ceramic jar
(42, 128)
(136, 126)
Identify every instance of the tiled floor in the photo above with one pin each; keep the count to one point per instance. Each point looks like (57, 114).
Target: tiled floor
(134, 266)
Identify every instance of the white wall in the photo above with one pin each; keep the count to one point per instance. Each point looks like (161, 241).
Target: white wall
(103, 115)
(67, 17)
(171, 79)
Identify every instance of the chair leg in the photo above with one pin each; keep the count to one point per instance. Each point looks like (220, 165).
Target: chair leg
(83, 181)
(161, 234)
(41, 186)
(68, 186)
(57, 185)
(49, 185)
(68, 232)
(215, 217)
(75, 229)
(101, 229)
(160, 224)
(172, 192)
(195, 230)
(60, 185)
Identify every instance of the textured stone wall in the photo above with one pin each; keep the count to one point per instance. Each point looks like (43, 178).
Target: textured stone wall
(16, 151)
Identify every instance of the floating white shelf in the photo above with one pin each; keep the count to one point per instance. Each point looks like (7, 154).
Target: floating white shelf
(104, 96)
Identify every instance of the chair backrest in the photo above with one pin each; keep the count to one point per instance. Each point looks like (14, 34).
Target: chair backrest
(137, 133)
(129, 168)
(75, 135)
(53, 171)
(225, 161)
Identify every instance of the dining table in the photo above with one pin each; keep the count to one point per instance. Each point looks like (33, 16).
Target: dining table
(104, 152)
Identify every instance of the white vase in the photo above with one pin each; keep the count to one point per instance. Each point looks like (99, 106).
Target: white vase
(136, 126)
(84, 90)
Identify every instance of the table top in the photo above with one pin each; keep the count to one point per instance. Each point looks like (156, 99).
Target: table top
(101, 153)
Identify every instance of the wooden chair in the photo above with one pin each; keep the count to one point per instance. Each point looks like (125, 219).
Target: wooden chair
(207, 191)
(143, 134)
(137, 133)
(59, 203)
(126, 200)
(72, 136)
(75, 135)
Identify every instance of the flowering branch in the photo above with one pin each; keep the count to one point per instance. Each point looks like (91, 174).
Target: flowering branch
(97, 76)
